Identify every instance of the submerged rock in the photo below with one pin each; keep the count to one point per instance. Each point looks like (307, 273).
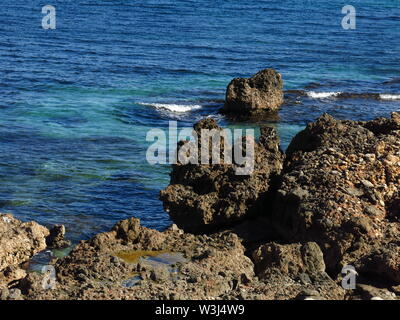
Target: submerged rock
(203, 197)
(260, 93)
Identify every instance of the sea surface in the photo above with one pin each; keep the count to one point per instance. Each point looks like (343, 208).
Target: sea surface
(76, 102)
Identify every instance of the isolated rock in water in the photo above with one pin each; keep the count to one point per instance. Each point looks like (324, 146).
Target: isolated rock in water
(261, 92)
(203, 197)
(19, 240)
(291, 259)
(340, 188)
(56, 238)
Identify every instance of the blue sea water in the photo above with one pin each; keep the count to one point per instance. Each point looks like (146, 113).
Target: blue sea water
(76, 102)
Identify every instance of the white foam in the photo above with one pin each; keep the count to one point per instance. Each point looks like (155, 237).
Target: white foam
(322, 95)
(172, 107)
(389, 96)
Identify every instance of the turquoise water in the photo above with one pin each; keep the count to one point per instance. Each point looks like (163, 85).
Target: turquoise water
(76, 102)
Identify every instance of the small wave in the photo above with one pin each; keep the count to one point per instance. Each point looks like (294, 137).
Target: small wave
(322, 95)
(349, 95)
(172, 107)
(389, 96)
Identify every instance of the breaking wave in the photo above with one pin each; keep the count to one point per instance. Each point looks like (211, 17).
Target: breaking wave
(349, 95)
(389, 96)
(172, 107)
(322, 95)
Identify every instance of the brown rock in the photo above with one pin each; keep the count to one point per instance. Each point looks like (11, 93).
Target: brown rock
(11, 273)
(384, 262)
(203, 197)
(369, 292)
(349, 206)
(19, 240)
(56, 240)
(180, 266)
(262, 92)
(290, 259)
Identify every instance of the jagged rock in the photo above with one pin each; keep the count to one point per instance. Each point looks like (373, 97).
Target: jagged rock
(340, 188)
(384, 261)
(203, 197)
(160, 273)
(11, 273)
(56, 240)
(309, 295)
(175, 228)
(97, 272)
(396, 290)
(32, 283)
(127, 231)
(336, 202)
(290, 259)
(298, 266)
(211, 267)
(368, 292)
(19, 240)
(262, 92)
(4, 293)
(15, 294)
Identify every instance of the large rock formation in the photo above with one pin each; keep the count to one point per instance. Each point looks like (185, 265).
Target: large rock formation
(203, 197)
(340, 188)
(336, 202)
(262, 92)
(133, 262)
(18, 242)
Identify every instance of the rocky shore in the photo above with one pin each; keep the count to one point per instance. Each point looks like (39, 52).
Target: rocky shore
(284, 232)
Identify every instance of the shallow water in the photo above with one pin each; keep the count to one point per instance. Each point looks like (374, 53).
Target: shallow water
(76, 102)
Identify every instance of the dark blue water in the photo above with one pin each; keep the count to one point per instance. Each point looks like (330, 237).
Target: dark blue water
(76, 102)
